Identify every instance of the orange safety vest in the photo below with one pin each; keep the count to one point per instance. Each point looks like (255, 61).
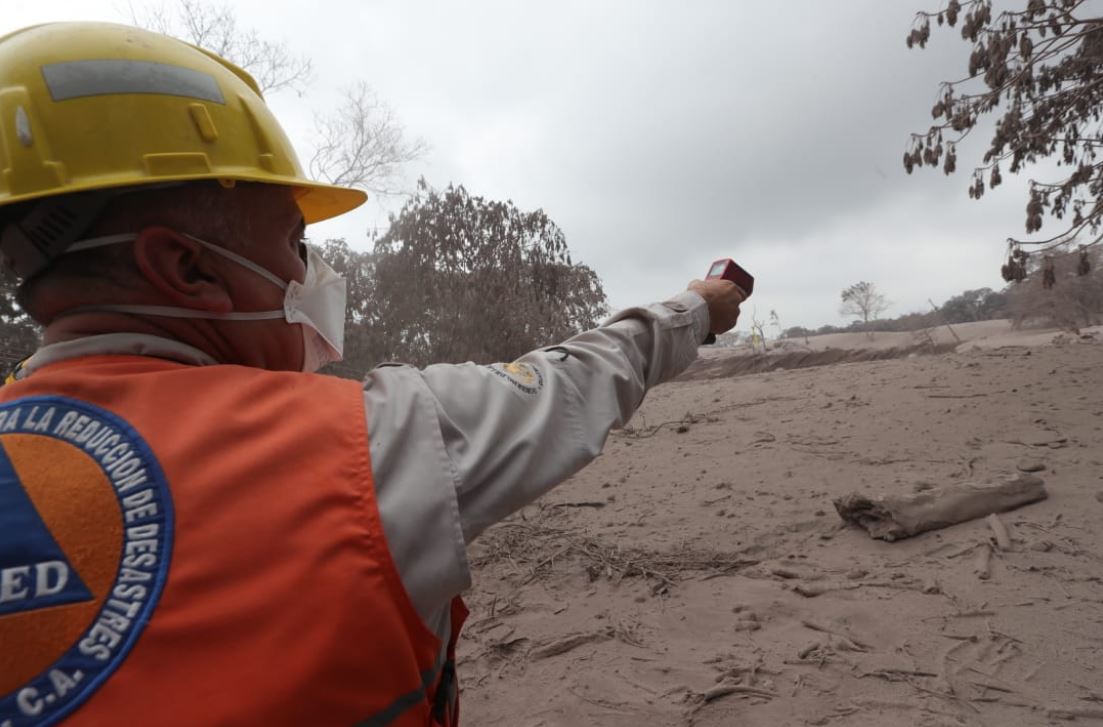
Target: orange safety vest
(187, 545)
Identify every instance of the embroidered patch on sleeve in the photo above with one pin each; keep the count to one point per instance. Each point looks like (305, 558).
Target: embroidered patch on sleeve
(525, 377)
(85, 539)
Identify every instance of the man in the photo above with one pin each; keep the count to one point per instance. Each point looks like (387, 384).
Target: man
(192, 530)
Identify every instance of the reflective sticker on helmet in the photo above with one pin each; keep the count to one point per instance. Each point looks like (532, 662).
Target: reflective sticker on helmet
(78, 79)
(85, 539)
(23, 127)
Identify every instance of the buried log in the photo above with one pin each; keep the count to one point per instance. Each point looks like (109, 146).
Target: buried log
(892, 517)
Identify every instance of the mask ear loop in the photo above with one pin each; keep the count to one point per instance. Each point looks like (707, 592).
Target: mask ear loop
(245, 262)
(170, 312)
(173, 312)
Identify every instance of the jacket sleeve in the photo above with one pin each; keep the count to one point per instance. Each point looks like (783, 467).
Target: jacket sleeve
(456, 448)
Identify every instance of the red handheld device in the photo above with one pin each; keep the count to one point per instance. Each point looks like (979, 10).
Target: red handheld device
(728, 269)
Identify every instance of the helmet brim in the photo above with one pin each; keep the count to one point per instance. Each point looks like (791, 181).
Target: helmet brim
(324, 201)
(317, 200)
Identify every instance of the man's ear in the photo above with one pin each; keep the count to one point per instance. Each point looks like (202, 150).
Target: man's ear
(181, 269)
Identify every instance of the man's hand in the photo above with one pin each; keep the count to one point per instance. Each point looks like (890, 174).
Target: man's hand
(723, 299)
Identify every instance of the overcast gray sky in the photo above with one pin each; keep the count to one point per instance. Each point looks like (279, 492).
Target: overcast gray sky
(660, 136)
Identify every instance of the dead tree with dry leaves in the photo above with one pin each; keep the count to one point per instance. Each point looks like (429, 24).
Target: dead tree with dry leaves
(361, 143)
(458, 277)
(1039, 71)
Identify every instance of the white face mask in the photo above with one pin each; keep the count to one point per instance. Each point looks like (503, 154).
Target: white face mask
(317, 303)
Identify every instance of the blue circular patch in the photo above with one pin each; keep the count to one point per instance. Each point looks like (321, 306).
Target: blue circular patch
(86, 525)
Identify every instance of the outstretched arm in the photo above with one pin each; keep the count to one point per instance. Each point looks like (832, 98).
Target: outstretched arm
(456, 448)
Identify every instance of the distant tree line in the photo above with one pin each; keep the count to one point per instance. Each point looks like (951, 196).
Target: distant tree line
(1072, 299)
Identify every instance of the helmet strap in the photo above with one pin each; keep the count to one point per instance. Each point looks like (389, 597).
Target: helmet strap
(55, 223)
(51, 226)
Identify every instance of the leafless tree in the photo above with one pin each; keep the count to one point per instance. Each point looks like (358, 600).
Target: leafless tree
(359, 144)
(215, 27)
(758, 330)
(863, 300)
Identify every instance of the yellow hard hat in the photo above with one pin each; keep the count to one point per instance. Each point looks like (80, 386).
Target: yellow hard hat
(97, 106)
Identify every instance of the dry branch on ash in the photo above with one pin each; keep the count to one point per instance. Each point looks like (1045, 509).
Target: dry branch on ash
(534, 548)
